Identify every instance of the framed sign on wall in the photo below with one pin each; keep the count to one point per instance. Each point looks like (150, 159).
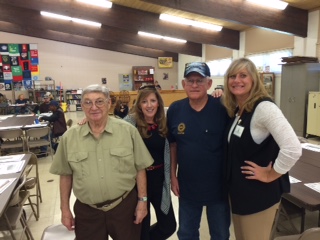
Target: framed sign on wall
(268, 80)
(165, 62)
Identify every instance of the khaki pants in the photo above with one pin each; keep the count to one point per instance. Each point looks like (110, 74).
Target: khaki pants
(254, 226)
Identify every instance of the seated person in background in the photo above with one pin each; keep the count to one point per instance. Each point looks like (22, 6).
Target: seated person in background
(50, 95)
(57, 120)
(157, 85)
(3, 99)
(121, 110)
(21, 100)
(44, 107)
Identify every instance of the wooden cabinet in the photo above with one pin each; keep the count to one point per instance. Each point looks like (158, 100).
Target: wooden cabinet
(142, 75)
(73, 97)
(296, 82)
(313, 122)
(39, 89)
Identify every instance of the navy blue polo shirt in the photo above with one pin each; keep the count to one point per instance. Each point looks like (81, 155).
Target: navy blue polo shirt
(199, 139)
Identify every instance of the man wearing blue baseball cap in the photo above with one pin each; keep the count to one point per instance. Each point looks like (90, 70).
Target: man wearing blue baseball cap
(196, 127)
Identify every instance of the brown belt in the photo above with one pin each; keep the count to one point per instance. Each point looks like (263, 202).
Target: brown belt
(109, 204)
(154, 167)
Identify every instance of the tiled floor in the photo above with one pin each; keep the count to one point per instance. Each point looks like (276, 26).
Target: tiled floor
(50, 207)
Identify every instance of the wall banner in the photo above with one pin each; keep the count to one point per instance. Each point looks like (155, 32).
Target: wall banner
(19, 63)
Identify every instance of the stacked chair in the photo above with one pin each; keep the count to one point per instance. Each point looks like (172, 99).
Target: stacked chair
(13, 139)
(15, 212)
(38, 137)
(32, 182)
(57, 232)
(309, 234)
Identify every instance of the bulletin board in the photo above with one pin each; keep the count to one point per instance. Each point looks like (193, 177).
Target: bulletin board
(125, 82)
(19, 65)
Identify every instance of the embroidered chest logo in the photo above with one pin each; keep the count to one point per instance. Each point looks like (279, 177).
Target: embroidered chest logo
(181, 128)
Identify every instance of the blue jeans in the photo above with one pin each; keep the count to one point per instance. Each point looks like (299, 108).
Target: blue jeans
(218, 216)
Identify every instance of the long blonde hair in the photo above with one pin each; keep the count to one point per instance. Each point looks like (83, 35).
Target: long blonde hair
(257, 91)
(159, 118)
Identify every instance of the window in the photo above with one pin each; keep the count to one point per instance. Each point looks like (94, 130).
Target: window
(261, 60)
(219, 67)
(271, 59)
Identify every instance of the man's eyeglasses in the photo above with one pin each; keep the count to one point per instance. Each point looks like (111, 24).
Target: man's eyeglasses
(98, 103)
(199, 82)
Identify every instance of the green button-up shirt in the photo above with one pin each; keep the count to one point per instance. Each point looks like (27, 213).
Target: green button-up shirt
(105, 168)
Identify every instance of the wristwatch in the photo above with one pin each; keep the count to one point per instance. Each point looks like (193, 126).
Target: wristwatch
(143, 199)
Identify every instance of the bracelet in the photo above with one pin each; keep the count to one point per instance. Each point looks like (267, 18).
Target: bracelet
(143, 199)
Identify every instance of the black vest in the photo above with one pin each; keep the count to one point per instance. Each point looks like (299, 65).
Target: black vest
(252, 196)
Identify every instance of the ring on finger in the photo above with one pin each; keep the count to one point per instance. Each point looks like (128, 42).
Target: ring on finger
(252, 173)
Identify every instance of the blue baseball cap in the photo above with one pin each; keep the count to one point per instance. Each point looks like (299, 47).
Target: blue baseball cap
(198, 67)
(54, 103)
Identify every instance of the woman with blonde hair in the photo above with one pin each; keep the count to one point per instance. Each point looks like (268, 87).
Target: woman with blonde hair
(22, 101)
(261, 149)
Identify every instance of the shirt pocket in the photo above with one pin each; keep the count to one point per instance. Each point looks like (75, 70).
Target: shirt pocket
(212, 140)
(79, 164)
(122, 159)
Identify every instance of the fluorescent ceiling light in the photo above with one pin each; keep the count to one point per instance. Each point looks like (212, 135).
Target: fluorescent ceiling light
(185, 21)
(271, 3)
(99, 3)
(82, 21)
(161, 37)
(53, 15)
(67, 18)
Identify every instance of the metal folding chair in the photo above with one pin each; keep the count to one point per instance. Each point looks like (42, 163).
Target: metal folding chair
(38, 137)
(32, 182)
(57, 231)
(286, 212)
(14, 212)
(12, 138)
(309, 234)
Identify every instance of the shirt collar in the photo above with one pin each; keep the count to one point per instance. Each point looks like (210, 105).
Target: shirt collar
(108, 128)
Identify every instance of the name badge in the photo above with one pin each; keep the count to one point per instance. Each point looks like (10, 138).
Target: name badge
(238, 131)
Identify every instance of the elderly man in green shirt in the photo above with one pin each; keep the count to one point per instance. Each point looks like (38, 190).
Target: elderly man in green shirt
(103, 162)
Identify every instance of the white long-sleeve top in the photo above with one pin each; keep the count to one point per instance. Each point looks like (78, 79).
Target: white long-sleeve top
(268, 119)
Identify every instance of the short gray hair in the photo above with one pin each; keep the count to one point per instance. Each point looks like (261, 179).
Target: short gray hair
(96, 88)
